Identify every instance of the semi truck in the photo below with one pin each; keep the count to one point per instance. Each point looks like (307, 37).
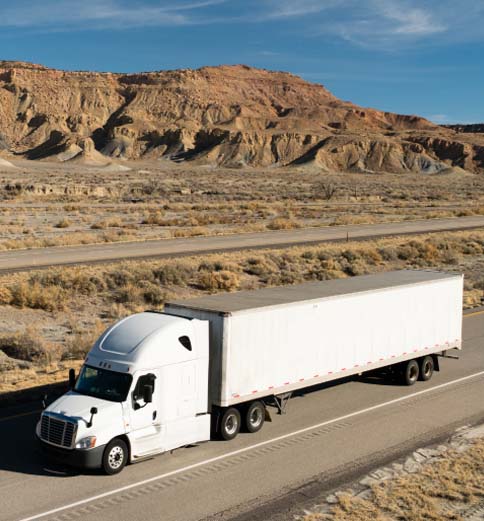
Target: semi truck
(212, 366)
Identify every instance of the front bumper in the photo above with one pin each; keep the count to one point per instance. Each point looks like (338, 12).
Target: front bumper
(87, 459)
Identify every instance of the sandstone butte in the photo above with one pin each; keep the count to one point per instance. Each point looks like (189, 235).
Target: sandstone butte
(228, 116)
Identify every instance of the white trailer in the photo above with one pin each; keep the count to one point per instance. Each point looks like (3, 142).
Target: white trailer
(210, 366)
(276, 340)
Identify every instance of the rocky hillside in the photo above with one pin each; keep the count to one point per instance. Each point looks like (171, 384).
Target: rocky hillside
(476, 128)
(228, 115)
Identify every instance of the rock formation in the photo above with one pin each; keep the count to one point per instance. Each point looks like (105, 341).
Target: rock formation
(229, 116)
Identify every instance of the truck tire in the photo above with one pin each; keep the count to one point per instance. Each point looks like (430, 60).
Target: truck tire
(115, 456)
(254, 416)
(410, 372)
(230, 424)
(426, 368)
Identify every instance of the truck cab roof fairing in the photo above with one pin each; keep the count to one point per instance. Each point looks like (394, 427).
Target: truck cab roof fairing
(142, 338)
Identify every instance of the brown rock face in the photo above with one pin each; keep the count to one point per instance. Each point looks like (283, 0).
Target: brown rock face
(228, 115)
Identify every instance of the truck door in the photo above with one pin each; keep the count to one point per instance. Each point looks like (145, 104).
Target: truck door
(145, 428)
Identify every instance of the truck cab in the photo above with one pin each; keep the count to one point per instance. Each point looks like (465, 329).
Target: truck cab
(143, 390)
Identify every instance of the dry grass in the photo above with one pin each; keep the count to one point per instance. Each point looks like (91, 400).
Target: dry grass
(52, 204)
(457, 479)
(37, 375)
(216, 281)
(93, 296)
(29, 346)
(281, 223)
(81, 340)
(63, 223)
(67, 239)
(149, 282)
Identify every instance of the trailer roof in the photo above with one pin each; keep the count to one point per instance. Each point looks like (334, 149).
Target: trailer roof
(245, 300)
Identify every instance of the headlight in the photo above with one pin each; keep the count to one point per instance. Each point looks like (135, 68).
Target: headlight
(37, 429)
(86, 443)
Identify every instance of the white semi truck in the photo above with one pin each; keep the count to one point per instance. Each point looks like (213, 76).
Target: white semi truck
(210, 366)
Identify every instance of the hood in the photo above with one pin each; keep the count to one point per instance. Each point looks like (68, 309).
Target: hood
(78, 406)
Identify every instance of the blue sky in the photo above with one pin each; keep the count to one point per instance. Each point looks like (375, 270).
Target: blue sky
(421, 57)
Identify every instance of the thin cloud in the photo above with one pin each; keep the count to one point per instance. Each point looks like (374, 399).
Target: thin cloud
(290, 8)
(97, 14)
(407, 20)
(376, 24)
(390, 22)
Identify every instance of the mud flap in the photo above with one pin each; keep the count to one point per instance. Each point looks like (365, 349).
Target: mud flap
(268, 417)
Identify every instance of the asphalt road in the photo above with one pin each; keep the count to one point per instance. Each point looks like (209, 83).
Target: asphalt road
(328, 436)
(20, 260)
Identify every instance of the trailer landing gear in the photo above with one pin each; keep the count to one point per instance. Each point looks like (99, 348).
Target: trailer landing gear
(281, 401)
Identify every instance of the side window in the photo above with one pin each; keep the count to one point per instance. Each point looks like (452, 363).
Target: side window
(146, 379)
(185, 342)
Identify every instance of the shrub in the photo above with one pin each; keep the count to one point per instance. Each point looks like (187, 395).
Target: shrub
(81, 340)
(100, 225)
(30, 346)
(174, 274)
(280, 223)
(130, 293)
(191, 232)
(63, 223)
(75, 279)
(261, 266)
(35, 296)
(155, 218)
(5, 296)
(219, 281)
(153, 294)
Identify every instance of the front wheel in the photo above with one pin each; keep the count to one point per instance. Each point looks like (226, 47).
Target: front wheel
(115, 456)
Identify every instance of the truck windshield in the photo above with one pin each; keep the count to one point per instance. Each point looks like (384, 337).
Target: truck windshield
(104, 384)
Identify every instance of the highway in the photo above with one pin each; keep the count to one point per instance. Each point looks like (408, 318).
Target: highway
(21, 260)
(328, 436)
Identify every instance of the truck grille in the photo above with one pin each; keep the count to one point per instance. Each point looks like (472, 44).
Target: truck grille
(57, 431)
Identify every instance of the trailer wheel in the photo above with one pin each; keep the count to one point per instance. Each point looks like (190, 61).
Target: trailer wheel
(255, 416)
(410, 372)
(115, 456)
(426, 368)
(230, 424)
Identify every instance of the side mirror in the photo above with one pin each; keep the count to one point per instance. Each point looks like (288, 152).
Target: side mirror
(148, 394)
(93, 411)
(72, 378)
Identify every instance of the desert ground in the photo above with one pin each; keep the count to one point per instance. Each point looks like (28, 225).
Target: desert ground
(53, 204)
(50, 318)
(441, 482)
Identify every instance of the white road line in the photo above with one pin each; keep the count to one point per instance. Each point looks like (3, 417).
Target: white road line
(249, 448)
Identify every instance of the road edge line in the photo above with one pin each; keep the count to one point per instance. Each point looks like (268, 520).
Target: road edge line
(247, 449)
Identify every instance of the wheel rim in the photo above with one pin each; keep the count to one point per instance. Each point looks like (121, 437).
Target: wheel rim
(255, 417)
(116, 457)
(413, 373)
(427, 368)
(231, 424)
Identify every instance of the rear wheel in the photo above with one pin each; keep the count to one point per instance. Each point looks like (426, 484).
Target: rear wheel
(410, 372)
(230, 424)
(115, 456)
(426, 368)
(254, 417)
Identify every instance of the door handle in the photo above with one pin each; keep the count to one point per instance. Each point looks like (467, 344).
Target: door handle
(154, 415)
